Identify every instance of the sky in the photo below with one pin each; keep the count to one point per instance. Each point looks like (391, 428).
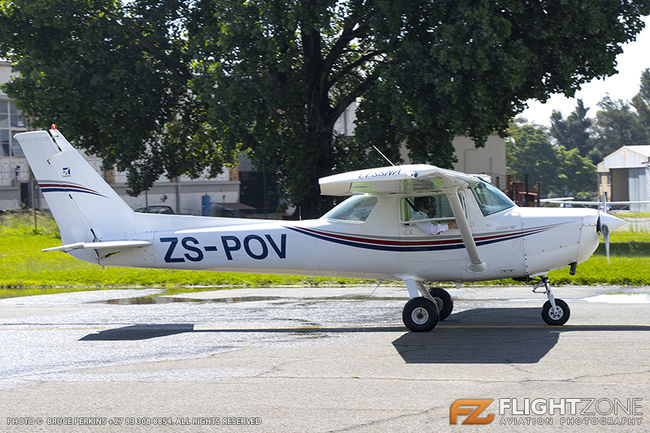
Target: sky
(624, 85)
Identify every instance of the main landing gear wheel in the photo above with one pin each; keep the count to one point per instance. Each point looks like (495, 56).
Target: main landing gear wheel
(556, 316)
(443, 300)
(420, 314)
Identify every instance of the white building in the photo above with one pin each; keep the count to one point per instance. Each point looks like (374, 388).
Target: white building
(489, 159)
(624, 175)
(14, 170)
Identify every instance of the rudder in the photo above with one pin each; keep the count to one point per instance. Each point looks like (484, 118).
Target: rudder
(85, 207)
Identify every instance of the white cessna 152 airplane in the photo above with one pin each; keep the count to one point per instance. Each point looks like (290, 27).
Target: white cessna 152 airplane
(414, 223)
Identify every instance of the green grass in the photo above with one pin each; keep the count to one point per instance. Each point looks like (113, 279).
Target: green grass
(23, 265)
(626, 216)
(629, 249)
(629, 236)
(24, 223)
(25, 270)
(622, 270)
(629, 263)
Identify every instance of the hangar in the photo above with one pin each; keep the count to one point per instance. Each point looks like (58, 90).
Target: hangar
(624, 175)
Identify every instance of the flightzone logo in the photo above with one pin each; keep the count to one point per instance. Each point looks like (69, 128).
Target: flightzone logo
(471, 409)
(548, 411)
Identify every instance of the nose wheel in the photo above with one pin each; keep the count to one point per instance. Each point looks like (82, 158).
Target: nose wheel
(555, 316)
(555, 312)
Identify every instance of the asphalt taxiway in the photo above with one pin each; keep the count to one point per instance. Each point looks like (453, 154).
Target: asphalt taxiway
(321, 359)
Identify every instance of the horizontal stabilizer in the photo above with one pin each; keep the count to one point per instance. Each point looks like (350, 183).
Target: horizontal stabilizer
(100, 245)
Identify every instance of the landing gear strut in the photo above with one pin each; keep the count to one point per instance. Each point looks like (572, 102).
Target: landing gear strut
(443, 300)
(555, 312)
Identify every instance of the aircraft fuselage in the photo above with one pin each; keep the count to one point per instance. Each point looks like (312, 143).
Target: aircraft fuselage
(518, 242)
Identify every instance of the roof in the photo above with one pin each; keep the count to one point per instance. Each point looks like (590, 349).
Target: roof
(643, 150)
(628, 157)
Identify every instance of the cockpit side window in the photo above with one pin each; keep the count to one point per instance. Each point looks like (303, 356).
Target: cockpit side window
(355, 209)
(490, 198)
(426, 208)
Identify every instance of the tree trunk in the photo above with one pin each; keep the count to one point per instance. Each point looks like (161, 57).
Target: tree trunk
(320, 128)
(314, 205)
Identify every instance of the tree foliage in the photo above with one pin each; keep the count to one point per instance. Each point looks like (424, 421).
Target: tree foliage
(529, 152)
(616, 125)
(641, 103)
(560, 171)
(572, 133)
(176, 86)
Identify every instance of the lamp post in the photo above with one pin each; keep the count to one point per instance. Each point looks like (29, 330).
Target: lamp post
(17, 184)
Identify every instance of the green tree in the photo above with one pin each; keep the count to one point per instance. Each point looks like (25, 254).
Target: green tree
(572, 133)
(577, 175)
(529, 151)
(114, 78)
(641, 103)
(616, 125)
(175, 86)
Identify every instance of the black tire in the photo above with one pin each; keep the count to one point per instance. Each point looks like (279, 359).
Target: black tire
(420, 314)
(559, 317)
(443, 300)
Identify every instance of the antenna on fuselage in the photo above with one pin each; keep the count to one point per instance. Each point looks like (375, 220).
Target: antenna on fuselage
(384, 156)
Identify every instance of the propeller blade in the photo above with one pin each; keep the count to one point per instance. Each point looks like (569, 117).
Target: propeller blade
(605, 221)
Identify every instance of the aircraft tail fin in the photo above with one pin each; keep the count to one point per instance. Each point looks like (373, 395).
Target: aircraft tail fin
(85, 207)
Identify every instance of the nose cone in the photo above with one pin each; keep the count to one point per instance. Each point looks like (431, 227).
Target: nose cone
(610, 221)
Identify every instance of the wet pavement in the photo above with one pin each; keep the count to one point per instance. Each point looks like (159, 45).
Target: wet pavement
(310, 359)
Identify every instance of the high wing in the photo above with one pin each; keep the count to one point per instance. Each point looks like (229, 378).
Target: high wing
(402, 179)
(557, 200)
(605, 205)
(409, 179)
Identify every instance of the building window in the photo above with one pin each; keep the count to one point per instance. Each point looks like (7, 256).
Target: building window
(11, 123)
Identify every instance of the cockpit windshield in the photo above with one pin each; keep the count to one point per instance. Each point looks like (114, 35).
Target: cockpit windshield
(490, 198)
(355, 209)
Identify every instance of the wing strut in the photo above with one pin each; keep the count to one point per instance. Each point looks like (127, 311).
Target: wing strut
(476, 264)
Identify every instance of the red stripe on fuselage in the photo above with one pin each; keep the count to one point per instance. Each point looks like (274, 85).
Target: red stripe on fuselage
(413, 243)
